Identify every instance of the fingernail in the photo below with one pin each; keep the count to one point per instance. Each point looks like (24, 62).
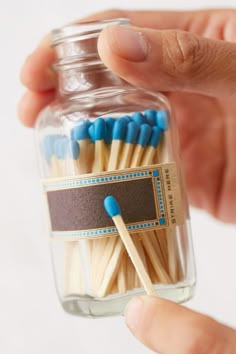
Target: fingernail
(128, 43)
(133, 312)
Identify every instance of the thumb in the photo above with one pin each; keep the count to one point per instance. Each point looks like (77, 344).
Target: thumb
(170, 60)
(166, 327)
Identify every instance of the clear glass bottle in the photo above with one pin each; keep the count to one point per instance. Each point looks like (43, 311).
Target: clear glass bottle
(79, 150)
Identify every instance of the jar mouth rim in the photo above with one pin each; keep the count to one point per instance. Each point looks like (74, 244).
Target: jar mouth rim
(75, 31)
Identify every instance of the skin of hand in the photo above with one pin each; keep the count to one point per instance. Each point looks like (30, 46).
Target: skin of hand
(191, 56)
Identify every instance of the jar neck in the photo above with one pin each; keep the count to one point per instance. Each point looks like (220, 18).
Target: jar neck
(78, 64)
(74, 81)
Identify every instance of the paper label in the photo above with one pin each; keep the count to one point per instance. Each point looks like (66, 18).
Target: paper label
(149, 199)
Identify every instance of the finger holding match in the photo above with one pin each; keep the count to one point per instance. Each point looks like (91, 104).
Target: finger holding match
(113, 210)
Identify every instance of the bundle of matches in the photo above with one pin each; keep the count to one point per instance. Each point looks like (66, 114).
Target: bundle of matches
(62, 155)
(100, 267)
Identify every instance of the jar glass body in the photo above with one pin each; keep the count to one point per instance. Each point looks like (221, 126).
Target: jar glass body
(94, 275)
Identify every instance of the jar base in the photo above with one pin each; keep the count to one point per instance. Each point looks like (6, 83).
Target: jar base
(114, 305)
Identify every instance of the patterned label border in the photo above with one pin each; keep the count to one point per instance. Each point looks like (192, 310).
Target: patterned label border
(165, 189)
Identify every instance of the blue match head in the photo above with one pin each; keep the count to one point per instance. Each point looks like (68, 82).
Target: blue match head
(91, 132)
(145, 131)
(162, 120)
(99, 129)
(80, 132)
(155, 137)
(119, 129)
(150, 115)
(109, 129)
(127, 119)
(111, 206)
(47, 146)
(73, 148)
(61, 147)
(131, 133)
(139, 118)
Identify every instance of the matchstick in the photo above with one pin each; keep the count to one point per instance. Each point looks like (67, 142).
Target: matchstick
(80, 133)
(107, 273)
(74, 275)
(100, 132)
(59, 150)
(144, 135)
(99, 162)
(118, 135)
(129, 143)
(112, 208)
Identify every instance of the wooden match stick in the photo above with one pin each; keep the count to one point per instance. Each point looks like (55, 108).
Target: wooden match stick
(99, 162)
(115, 135)
(118, 135)
(57, 149)
(80, 133)
(144, 136)
(145, 133)
(130, 140)
(113, 210)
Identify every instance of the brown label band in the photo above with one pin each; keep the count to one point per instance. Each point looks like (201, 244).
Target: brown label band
(149, 198)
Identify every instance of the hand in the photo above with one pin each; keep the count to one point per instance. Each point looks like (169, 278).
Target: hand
(195, 64)
(168, 328)
(200, 73)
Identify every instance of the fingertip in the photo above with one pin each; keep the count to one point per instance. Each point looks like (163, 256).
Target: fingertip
(36, 73)
(138, 310)
(112, 60)
(133, 312)
(104, 50)
(31, 104)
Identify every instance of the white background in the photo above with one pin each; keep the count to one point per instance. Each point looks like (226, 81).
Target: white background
(31, 319)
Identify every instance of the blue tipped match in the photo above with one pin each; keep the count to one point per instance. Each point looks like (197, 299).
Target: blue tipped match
(155, 137)
(162, 119)
(132, 133)
(127, 119)
(74, 149)
(99, 129)
(61, 147)
(111, 206)
(119, 129)
(109, 129)
(47, 146)
(150, 115)
(80, 132)
(144, 134)
(91, 131)
(139, 118)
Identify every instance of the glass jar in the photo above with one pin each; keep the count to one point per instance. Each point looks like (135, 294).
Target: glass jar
(102, 136)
